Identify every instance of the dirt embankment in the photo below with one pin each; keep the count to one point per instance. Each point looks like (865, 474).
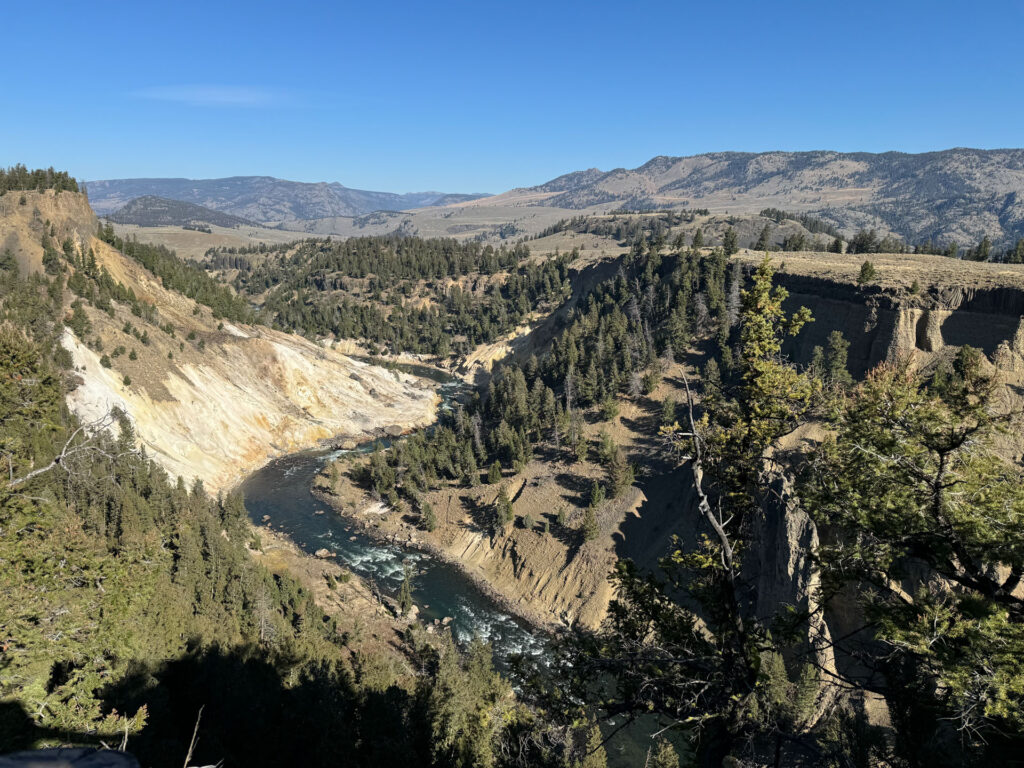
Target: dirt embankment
(253, 394)
(26, 217)
(550, 578)
(539, 568)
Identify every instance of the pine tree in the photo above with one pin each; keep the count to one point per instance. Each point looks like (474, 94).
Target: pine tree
(867, 273)
(503, 508)
(663, 755)
(428, 515)
(594, 755)
(730, 242)
(763, 240)
(620, 473)
(925, 508)
(836, 371)
(590, 528)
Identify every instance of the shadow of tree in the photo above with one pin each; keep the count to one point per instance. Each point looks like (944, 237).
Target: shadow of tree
(256, 711)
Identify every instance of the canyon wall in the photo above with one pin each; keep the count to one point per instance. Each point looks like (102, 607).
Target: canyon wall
(883, 325)
(208, 399)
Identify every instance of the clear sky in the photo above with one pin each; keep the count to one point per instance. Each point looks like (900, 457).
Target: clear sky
(486, 95)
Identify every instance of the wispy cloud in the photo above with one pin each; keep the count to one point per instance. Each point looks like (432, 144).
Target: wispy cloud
(212, 95)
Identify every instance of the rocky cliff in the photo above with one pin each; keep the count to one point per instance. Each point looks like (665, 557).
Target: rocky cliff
(916, 307)
(209, 400)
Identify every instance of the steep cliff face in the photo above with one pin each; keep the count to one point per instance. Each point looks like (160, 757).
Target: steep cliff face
(208, 399)
(888, 324)
(258, 395)
(25, 217)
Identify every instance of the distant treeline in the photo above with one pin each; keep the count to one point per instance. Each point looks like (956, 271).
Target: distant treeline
(624, 226)
(810, 223)
(18, 177)
(870, 241)
(387, 258)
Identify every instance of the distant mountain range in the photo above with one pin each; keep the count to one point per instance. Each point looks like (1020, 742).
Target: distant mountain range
(956, 194)
(263, 199)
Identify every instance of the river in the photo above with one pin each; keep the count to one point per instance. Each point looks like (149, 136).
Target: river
(283, 490)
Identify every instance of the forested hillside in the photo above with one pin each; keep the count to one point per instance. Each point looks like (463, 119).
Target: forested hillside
(132, 612)
(401, 294)
(740, 667)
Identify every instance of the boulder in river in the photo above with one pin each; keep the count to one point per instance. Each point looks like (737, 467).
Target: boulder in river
(265, 518)
(323, 553)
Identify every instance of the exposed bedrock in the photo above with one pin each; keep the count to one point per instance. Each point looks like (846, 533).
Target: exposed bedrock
(885, 326)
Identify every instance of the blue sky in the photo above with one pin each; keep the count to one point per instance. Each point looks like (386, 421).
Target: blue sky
(484, 96)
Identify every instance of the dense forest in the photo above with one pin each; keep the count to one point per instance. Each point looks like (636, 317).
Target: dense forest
(402, 294)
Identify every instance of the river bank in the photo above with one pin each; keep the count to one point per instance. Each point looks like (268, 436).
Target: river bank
(534, 618)
(279, 496)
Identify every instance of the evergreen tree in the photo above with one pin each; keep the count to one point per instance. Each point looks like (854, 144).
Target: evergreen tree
(763, 242)
(590, 528)
(503, 508)
(836, 371)
(730, 242)
(428, 516)
(926, 508)
(867, 273)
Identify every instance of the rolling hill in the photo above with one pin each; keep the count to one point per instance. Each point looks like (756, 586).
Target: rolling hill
(152, 211)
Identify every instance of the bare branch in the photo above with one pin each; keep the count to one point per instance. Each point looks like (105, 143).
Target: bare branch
(91, 429)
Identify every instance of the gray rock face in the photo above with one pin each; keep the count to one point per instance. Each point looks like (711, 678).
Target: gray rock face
(785, 577)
